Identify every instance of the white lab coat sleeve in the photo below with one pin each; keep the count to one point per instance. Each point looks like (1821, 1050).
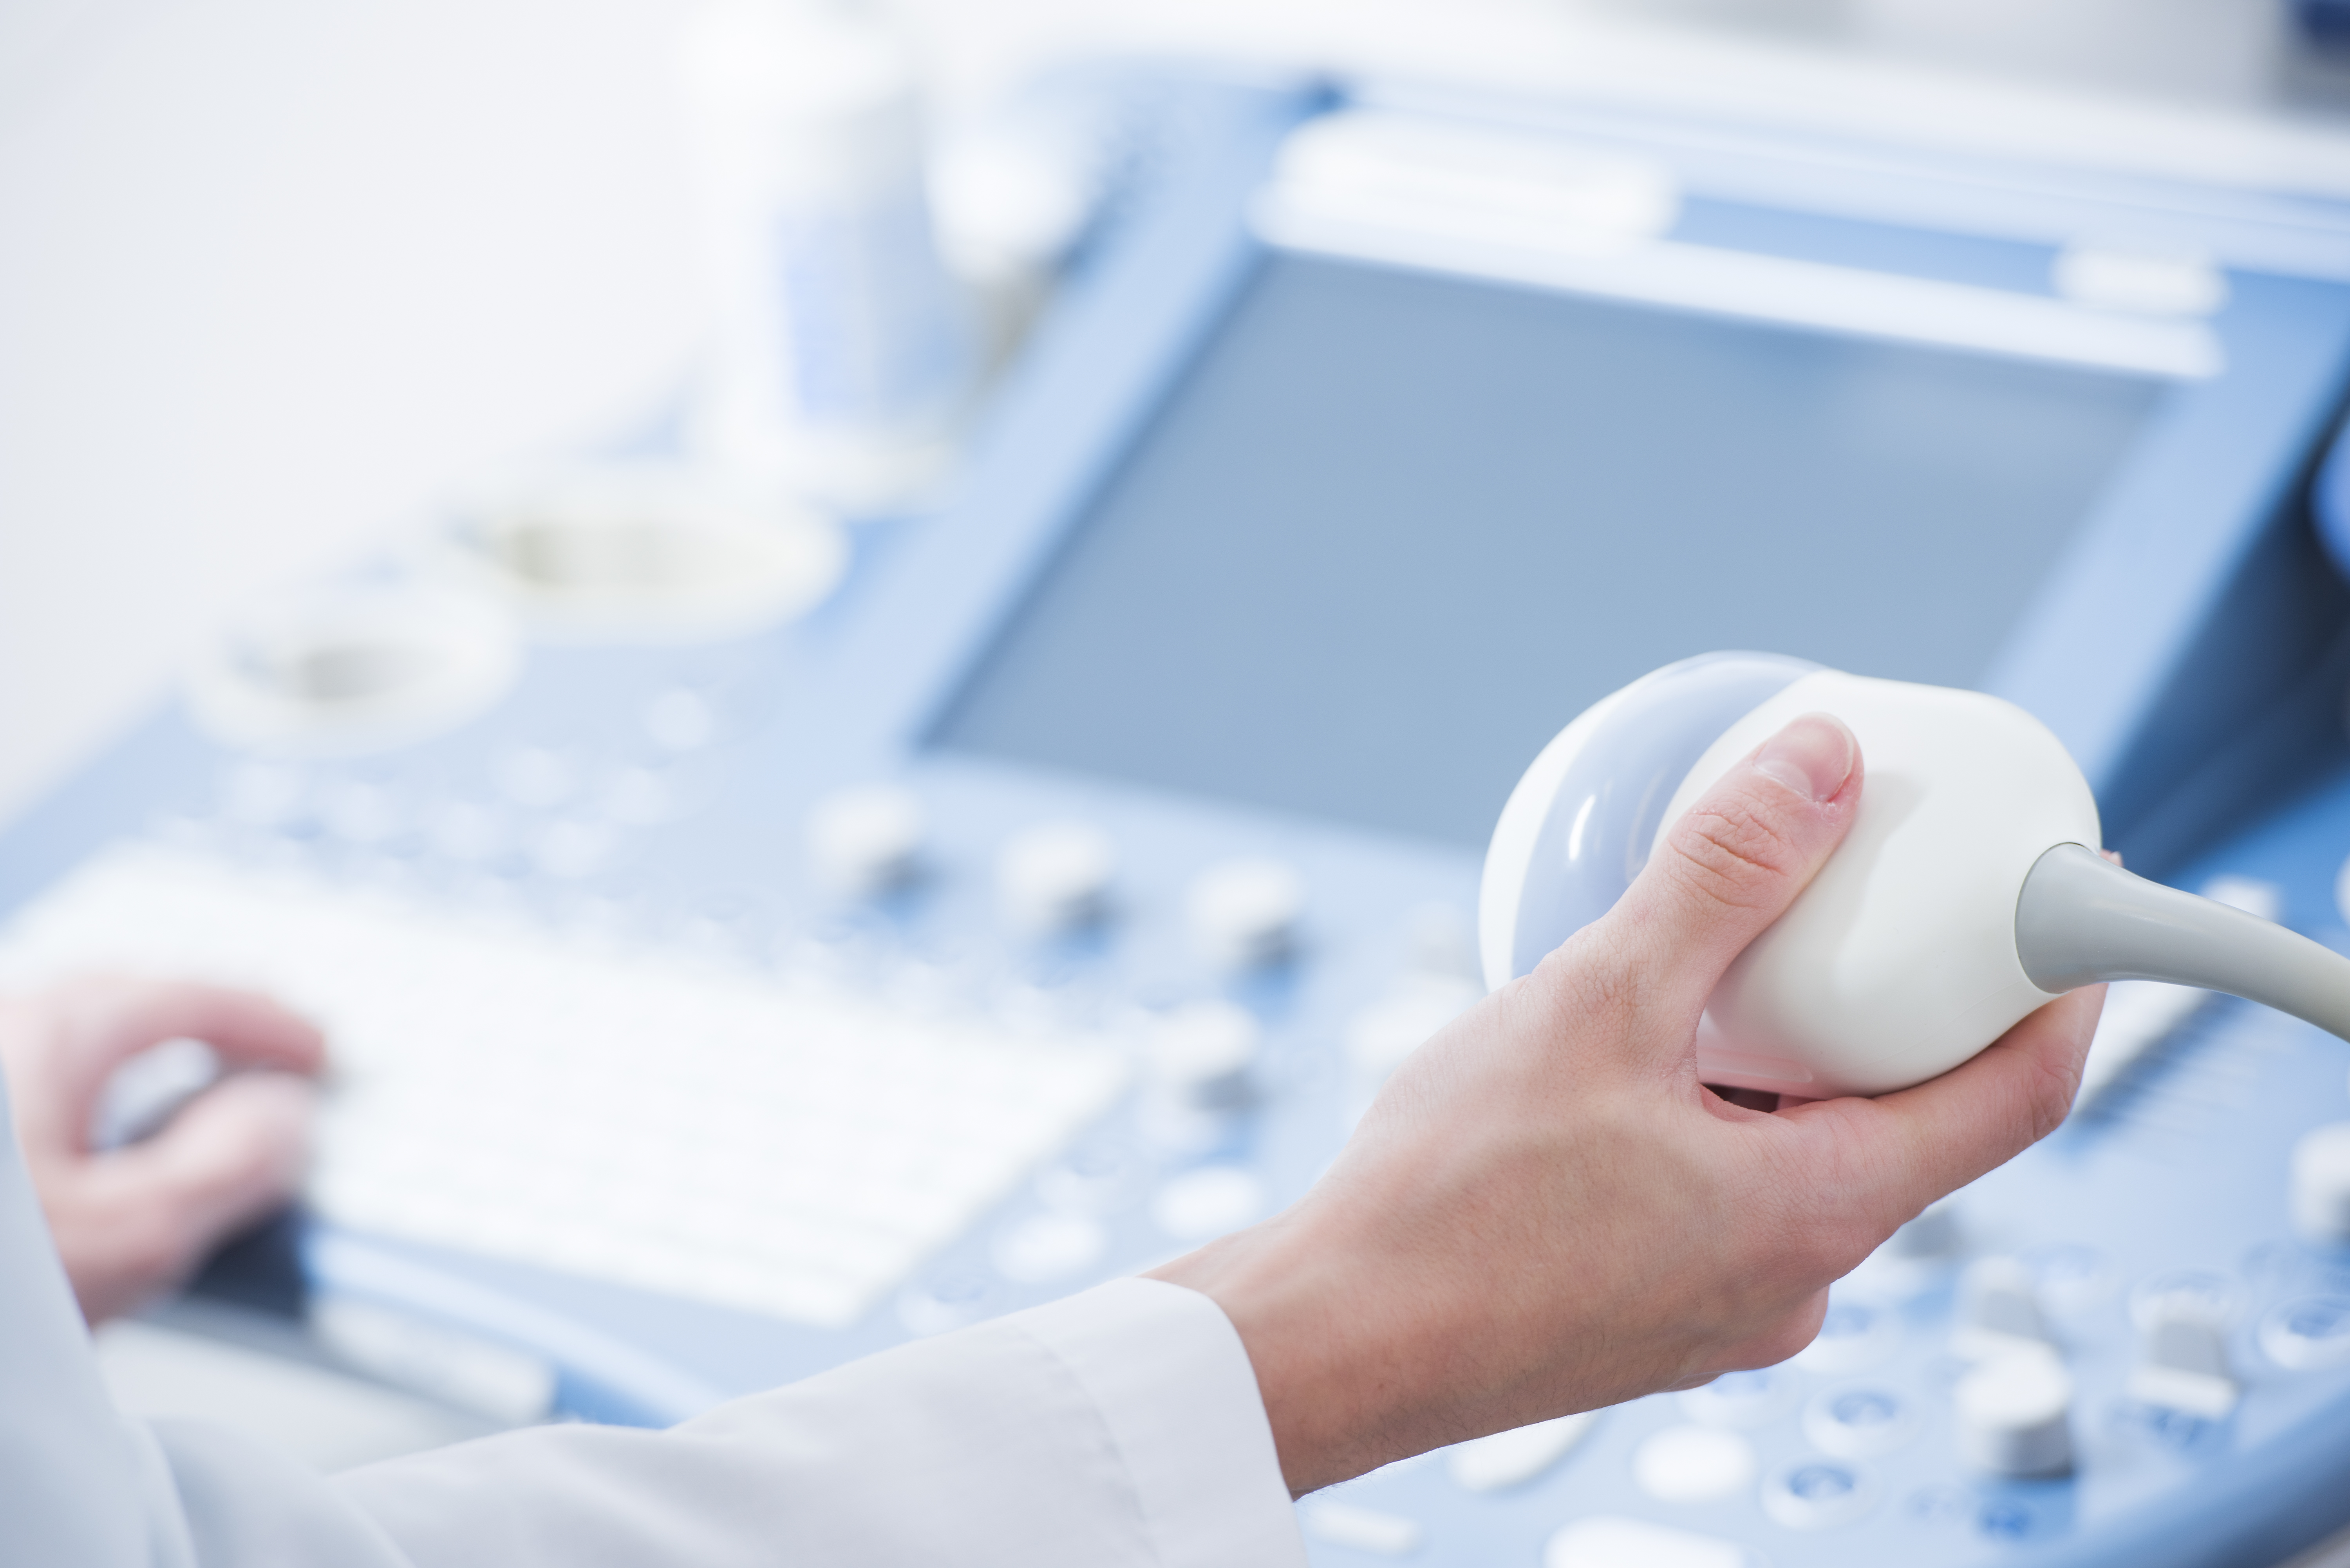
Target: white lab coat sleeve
(79, 1483)
(1119, 1427)
(83, 1486)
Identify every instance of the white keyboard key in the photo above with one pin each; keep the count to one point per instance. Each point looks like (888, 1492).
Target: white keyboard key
(2138, 1014)
(1607, 1541)
(1693, 1464)
(1364, 1529)
(1206, 1202)
(1046, 1247)
(1512, 1458)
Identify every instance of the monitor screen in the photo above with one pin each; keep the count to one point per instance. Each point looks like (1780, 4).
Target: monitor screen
(1391, 530)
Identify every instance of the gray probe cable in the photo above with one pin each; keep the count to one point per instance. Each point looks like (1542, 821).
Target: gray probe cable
(2081, 918)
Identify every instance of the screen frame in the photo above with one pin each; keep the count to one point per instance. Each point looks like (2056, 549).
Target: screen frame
(1869, 503)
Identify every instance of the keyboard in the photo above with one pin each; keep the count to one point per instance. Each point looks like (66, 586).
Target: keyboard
(775, 1142)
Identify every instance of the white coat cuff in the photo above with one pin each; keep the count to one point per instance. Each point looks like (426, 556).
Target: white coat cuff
(1172, 1383)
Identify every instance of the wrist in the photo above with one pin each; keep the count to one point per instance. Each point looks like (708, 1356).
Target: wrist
(1340, 1388)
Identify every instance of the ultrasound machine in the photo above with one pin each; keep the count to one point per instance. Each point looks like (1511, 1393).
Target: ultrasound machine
(1045, 883)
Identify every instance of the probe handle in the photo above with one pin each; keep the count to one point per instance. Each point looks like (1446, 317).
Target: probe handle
(2081, 918)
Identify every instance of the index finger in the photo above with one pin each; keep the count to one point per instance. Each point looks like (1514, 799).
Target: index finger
(1923, 1142)
(105, 1022)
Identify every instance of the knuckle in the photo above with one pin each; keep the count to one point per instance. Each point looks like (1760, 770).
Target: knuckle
(1852, 1219)
(1824, 1251)
(1728, 851)
(1793, 1331)
(2039, 1094)
(2048, 1095)
(1811, 1252)
(1839, 1248)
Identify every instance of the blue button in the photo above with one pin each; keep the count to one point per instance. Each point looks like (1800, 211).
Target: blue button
(1853, 1337)
(2309, 1334)
(2319, 1319)
(1845, 1321)
(1813, 1494)
(1856, 1423)
(1864, 1407)
(1822, 1483)
(1740, 1399)
(2004, 1521)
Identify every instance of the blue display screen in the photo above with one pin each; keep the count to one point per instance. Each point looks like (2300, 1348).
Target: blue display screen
(1391, 530)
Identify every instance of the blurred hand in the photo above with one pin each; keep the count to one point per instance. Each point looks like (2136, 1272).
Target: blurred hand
(1545, 1211)
(134, 1221)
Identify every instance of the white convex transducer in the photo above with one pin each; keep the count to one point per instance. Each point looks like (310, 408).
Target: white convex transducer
(1968, 891)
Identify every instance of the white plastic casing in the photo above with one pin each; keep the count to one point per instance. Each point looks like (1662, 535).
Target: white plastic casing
(1509, 859)
(1898, 962)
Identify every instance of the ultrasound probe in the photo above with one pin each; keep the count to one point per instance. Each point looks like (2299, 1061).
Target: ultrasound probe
(1966, 893)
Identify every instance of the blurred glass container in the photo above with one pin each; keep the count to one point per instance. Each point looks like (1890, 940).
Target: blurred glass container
(841, 357)
(1017, 190)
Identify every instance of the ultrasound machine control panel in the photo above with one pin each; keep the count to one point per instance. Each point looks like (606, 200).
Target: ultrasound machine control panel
(1038, 886)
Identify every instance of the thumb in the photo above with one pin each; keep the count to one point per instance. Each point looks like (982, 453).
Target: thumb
(1734, 862)
(231, 1155)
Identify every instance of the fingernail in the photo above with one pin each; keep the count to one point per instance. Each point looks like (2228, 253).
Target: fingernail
(1813, 755)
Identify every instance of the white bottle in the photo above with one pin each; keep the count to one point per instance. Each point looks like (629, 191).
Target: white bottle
(840, 356)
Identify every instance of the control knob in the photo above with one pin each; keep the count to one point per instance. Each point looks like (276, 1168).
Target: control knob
(1244, 913)
(1056, 876)
(868, 840)
(1999, 1311)
(2183, 1360)
(1200, 1054)
(2015, 1414)
(2321, 1184)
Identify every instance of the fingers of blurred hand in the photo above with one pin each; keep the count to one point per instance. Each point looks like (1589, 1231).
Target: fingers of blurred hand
(99, 1024)
(232, 1155)
(1919, 1144)
(1735, 861)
